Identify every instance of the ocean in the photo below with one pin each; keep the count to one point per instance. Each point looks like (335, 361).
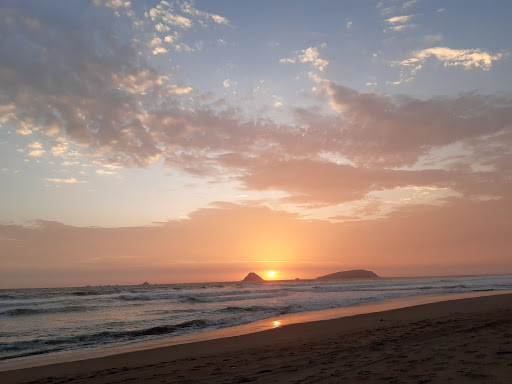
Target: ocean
(59, 320)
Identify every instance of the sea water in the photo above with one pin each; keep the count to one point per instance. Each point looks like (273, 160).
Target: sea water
(55, 320)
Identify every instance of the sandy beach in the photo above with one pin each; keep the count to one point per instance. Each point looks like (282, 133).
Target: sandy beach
(456, 341)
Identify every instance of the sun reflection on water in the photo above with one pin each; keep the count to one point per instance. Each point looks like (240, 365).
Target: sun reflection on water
(276, 324)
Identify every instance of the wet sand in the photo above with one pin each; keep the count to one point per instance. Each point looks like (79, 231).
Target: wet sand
(456, 341)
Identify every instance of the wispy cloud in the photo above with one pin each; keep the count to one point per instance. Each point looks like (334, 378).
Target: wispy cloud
(70, 180)
(399, 19)
(399, 23)
(435, 38)
(178, 90)
(410, 3)
(113, 3)
(466, 58)
(104, 172)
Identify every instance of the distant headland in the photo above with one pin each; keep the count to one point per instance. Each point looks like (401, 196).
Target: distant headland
(352, 274)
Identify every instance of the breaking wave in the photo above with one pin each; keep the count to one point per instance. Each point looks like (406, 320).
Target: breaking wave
(38, 311)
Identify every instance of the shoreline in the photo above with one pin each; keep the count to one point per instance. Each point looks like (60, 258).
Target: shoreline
(239, 330)
(293, 328)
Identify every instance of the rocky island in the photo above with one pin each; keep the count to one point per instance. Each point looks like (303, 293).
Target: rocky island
(253, 278)
(353, 274)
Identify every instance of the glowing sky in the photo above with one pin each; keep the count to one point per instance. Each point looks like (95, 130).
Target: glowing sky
(180, 141)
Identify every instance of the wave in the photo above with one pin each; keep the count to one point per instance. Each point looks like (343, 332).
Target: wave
(190, 299)
(86, 293)
(244, 309)
(38, 311)
(30, 353)
(104, 337)
(227, 298)
(262, 310)
(128, 314)
(216, 295)
(136, 298)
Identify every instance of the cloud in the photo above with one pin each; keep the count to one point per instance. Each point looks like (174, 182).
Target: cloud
(35, 149)
(177, 20)
(37, 152)
(69, 80)
(60, 148)
(397, 130)
(187, 7)
(162, 28)
(23, 129)
(308, 56)
(219, 19)
(182, 47)
(466, 58)
(179, 90)
(399, 23)
(169, 14)
(34, 90)
(399, 19)
(69, 163)
(106, 99)
(171, 38)
(311, 55)
(409, 4)
(139, 83)
(104, 172)
(315, 181)
(228, 83)
(430, 240)
(156, 42)
(164, 12)
(398, 28)
(348, 25)
(6, 108)
(35, 145)
(434, 38)
(113, 3)
(70, 180)
(159, 50)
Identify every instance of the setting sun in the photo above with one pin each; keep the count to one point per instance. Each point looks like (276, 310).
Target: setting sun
(271, 273)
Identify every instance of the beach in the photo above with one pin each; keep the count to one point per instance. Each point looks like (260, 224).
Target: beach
(459, 341)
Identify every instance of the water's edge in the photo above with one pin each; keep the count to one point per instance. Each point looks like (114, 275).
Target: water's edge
(243, 329)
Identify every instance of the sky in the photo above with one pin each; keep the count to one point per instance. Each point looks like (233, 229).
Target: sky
(187, 141)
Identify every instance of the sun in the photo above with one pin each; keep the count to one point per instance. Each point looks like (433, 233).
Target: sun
(271, 273)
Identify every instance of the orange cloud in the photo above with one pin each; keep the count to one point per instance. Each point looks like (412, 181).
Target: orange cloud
(226, 241)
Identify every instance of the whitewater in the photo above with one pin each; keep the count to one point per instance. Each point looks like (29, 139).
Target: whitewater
(59, 320)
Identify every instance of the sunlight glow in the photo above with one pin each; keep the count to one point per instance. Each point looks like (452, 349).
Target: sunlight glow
(271, 273)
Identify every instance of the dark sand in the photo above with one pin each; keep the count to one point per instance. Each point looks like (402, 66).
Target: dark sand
(458, 341)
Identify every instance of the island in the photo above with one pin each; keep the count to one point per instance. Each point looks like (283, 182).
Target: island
(253, 278)
(353, 274)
